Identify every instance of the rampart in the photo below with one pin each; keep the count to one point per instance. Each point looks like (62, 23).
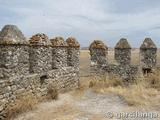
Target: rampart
(122, 55)
(30, 66)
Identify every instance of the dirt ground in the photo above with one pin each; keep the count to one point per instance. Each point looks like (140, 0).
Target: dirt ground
(86, 104)
(90, 106)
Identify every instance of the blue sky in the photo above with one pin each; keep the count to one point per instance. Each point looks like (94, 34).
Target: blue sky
(87, 20)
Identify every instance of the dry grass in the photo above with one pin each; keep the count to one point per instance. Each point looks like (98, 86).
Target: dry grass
(83, 86)
(52, 93)
(63, 112)
(29, 102)
(22, 105)
(143, 93)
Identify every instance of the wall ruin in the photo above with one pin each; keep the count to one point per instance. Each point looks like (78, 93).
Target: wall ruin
(122, 54)
(31, 66)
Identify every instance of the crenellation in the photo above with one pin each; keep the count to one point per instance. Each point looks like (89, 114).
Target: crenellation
(40, 54)
(148, 54)
(59, 53)
(123, 67)
(123, 52)
(73, 52)
(14, 54)
(98, 52)
(30, 66)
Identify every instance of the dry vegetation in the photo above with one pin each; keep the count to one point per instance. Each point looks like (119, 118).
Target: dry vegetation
(24, 104)
(52, 93)
(144, 92)
(29, 102)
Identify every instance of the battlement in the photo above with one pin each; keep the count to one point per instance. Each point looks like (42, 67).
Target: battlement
(30, 66)
(122, 56)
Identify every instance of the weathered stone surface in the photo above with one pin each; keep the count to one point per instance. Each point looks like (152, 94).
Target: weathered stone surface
(123, 44)
(73, 57)
(14, 54)
(39, 39)
(17, 59)
(59, 57)
(59, 53)
(148, 54)
(73, 52)
(58, 42)
(98, 44)
(124, 69)
(148, 43)
(123, 52)
(98, 53)
(10, 34)
(40, 54)
(127, 72)
(72, 42)
(40, 58)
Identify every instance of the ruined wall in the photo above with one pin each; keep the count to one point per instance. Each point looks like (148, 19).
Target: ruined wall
(30, 67)
(123, 52)
(123, 68)
(59, 52)
(73, 52)
(40, 54)
(13, 52)
(98, 52)
(148, 54)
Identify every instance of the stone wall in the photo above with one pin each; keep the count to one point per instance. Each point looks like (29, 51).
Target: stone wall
(148, 54)
(122, 53)
(98, 52)
(59, 52)
(40, 54)
(32, 66)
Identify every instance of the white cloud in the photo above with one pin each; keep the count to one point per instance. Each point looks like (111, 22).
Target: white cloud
(84, 19)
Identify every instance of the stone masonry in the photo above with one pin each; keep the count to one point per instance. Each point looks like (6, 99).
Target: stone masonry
(124, 68)
(30, 67)
(98, 52)
(14, 56)
(73, 52)
(40, 54)
(148, 54)
(59, 52)
(123, 52)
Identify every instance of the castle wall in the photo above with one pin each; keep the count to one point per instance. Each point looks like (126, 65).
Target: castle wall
(59, 55)
(148, 58)
(40, 58)
(123, 68)
(14, 60)
(148, 54)
(98, 56)
(73, 57)
(123, 56)
(31, 67)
